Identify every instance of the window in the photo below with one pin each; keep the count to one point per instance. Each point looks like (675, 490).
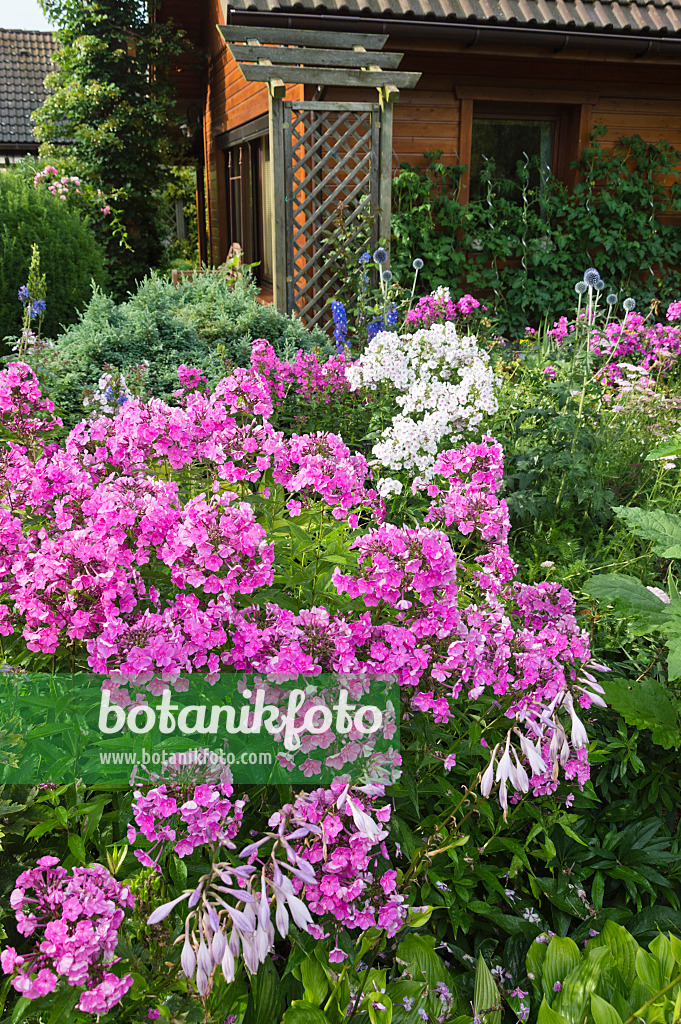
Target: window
(505, 142)
(249, 206)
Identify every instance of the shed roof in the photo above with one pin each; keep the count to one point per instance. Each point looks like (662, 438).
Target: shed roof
(646, 17)
(24, 63)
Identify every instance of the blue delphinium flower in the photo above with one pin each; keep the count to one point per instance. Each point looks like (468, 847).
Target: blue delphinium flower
(38, 307)
(392, 315)
(373, 327)
(23, 294)
(365, 257)
(340, 321)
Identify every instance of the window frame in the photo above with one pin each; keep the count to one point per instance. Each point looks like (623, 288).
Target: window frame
(570, 110)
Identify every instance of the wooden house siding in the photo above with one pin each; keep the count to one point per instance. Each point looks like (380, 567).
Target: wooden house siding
(596, 87)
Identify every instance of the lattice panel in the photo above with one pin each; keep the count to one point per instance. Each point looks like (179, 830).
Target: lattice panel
(332, 157)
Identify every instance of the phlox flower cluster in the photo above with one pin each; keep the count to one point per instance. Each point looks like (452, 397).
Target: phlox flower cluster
(22, 408)
(310, 379)
(651, 347)
(674, 311)
(106, 516)
(444, 386)
(323, 857)
(439, 307)
(61, 184)
(186, 816)
(74, 920)
(231, 909)
(113, 389)
(439, 624)
(354, 885)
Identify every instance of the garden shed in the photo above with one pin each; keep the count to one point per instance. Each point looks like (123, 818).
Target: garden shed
(477, 78)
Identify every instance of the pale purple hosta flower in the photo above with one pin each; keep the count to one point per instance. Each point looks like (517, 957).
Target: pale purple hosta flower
(578, 735)
(162, 912)
(228, 965)
(188, 957)
(487, 780)
(532, 753)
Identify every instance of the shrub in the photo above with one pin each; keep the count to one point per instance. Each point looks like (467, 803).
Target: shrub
(70, 256)
(206, 323)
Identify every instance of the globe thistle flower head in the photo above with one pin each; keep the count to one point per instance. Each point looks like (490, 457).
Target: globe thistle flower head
(611, 299)
(387, 276)
(591, 277)
(580, 287)
(629, 304)
(600, 285)
(380, 256)
(417, 264)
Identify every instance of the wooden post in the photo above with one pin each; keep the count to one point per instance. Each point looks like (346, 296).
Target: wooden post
(386, 97)
(279, 199)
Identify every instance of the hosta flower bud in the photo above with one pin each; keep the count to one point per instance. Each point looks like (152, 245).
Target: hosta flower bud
(228, 965)
(218, 946)
(204, 959)
(188, 958)
(201, 981)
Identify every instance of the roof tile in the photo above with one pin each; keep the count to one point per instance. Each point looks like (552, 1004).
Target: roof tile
(24, 63)
(653, 17)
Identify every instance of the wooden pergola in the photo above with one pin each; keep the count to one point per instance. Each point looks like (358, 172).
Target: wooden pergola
(324, 153)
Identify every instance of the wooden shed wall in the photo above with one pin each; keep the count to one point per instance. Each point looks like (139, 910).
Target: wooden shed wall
(626, 95)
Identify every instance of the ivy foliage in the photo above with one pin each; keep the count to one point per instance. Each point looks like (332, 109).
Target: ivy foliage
(111, 111)
(525, 245)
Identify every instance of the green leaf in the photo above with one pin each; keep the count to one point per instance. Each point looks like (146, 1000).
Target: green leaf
(628, 595)
(578, 986)
(623, 949)
(548, 1016)
(646, 704)
(666, 450)
(77, 848)
(662, 528)
(377, 1016)
(265, 1001)
(661, 948)
(676, 947)
(302, 1012)
(486, 994)
(649, 970)
(597, 891)
(62, 1008)
(602, 1012)
(562, 957)
(314, 981)
(21, 1009)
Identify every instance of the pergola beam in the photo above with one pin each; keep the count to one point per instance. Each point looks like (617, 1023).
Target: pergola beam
(330, 76)
(303, 37)
(312, 56)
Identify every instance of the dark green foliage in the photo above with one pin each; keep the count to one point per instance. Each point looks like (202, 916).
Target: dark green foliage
(206, 323)
(69, 255)
(524, 246)
(112, 91)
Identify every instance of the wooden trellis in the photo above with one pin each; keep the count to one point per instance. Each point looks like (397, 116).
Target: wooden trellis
(323, 153)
